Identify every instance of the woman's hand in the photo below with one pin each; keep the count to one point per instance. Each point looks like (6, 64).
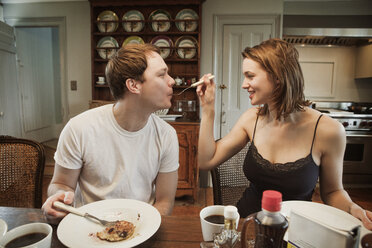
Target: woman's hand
(364, 216)
(52, 214)
(206, 92)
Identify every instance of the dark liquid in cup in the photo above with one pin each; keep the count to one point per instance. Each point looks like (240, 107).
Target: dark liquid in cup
(24, 240)
(215, 219)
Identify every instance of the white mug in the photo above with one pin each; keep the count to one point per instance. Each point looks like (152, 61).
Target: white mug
(29, 229)
(210, 229)
(101, 79)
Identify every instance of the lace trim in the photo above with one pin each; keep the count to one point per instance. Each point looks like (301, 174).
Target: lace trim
(279, 167)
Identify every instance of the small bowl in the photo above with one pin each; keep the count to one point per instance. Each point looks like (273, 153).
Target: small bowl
(161, 112)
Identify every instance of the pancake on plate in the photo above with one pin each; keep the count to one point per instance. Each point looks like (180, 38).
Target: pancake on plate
(122, 230)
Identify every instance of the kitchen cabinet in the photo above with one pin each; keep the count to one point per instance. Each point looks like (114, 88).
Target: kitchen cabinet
(319, 78)
(115, 23)
(188, 172)
(363, 62)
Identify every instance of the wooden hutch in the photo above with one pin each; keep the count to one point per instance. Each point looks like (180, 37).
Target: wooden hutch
(187, 69)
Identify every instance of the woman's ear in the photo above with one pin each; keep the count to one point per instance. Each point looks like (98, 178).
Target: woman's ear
(133, 86)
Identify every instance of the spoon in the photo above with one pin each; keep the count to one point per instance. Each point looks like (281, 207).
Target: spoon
(201, 81)
(73, 210)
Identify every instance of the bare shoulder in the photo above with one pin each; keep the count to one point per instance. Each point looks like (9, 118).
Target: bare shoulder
(330, 131)
(247, 120)
(249, 115)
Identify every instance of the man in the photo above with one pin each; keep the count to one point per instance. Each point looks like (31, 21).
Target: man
(121, 150)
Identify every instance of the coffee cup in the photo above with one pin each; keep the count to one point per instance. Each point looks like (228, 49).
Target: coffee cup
(35, 234)
(212, 221)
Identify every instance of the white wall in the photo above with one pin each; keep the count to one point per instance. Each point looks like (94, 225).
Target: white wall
(347, 88)
(78, 45)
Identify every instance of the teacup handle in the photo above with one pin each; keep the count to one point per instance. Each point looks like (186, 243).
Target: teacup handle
(247, 221)
(67, 208)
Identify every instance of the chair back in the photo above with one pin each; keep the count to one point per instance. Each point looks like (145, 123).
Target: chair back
(229, 181)
(22, 164)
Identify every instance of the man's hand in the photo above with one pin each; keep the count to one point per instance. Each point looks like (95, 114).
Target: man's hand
(53, 214)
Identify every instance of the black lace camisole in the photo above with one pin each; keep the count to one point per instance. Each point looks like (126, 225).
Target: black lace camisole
(295, 180)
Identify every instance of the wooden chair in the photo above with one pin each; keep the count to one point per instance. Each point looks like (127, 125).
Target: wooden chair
(21, 172)
(229, 181)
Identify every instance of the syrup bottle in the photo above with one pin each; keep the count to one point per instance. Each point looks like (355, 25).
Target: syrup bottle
(269, 224)
(229, 235)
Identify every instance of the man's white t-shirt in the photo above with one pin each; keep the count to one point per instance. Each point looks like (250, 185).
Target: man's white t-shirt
(116, 163)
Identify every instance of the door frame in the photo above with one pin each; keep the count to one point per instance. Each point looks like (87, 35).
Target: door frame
(218, 24)
(60, 23)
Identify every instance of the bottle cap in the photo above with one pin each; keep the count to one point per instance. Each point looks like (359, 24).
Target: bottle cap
(230, 212)
(271, 200)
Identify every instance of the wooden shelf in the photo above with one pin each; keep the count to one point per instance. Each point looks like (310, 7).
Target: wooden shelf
(178, 67)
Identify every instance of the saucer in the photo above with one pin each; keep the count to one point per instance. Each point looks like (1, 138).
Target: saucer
(3, 228)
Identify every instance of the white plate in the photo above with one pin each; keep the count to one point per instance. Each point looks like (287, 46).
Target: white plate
(169, 117)
(164, 43)
(107, 41)
(107, 15)
(334, 217)
(76, 231)
(160, 15)
(186, 47)
(3, 228)
(187, 26)
(133, 40)
(133, 15)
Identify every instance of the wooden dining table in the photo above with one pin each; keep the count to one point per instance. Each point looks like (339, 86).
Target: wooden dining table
(175, 231)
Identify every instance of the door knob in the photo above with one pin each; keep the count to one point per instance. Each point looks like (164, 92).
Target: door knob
(222, 86)
(1, 114)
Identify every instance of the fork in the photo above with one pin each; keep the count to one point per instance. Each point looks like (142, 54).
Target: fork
(73, 210)
(194, 85)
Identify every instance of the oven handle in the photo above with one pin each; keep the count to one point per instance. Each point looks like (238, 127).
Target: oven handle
(359, 135)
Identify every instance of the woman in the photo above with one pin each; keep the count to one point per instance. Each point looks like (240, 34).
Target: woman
(291, 144)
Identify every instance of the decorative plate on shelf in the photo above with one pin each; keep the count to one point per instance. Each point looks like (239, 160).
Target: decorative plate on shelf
(165, 45)
(186, 47)
(105, 27)
(187, 26)
(133, 15)
(108, 45)
(133, 40)
(160, 15)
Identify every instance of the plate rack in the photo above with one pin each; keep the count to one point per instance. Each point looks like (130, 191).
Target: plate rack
(187, 69)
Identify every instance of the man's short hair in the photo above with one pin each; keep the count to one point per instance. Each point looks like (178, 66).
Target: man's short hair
(129, 62)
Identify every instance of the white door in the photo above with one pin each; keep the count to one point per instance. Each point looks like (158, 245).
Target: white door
(235, 100)
(38, 63)
(10, 114)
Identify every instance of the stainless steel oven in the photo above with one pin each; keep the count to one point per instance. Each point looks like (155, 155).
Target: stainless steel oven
(357, 169)
(358, 158)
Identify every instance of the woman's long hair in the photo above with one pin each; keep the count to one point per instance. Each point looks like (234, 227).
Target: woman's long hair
(280, 60)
